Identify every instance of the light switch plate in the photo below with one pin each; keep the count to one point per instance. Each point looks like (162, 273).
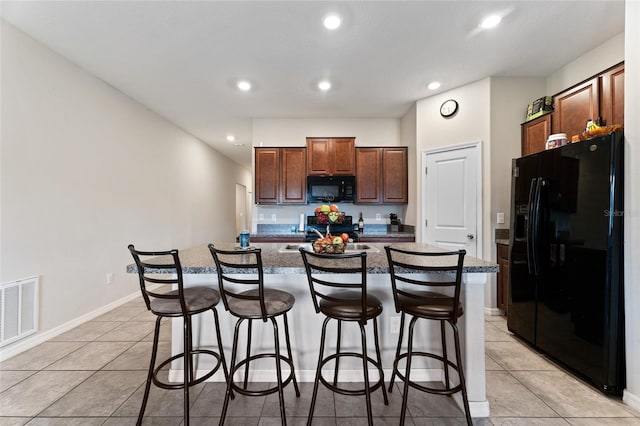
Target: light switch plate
(500, 218)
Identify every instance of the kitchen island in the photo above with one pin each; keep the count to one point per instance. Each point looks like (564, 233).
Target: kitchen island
(284, 270)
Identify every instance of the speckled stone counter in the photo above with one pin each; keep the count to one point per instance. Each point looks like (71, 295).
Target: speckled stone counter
(198, 260)
(285, 271)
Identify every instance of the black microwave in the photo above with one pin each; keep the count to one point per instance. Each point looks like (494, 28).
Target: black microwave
(331, 189)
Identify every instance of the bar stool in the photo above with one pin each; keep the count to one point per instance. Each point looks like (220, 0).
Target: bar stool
(412, 297)
(338, 285)
(163, 268)
(241, 280)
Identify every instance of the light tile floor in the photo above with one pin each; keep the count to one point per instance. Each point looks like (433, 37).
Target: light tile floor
(94, 375)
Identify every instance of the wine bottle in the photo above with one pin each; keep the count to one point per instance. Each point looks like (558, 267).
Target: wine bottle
(361, 223)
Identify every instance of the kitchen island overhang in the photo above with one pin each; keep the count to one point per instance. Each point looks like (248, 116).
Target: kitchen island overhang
(285, 270)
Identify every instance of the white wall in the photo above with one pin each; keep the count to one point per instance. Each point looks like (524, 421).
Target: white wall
(632, 201)
(408, 137)
(294, 131)
(471, 123)
(86, 171)
(609, 53)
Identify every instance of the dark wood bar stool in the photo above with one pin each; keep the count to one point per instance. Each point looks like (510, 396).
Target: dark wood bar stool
(241, 280)
(163, 268)
(338, 285)
(412, 296)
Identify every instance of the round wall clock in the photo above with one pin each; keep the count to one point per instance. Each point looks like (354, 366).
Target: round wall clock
(448, 108)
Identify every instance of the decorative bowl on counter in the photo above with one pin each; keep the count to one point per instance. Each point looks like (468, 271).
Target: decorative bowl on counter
(326, 246)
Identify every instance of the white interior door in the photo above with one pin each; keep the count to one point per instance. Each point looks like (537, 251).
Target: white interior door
(452, 198)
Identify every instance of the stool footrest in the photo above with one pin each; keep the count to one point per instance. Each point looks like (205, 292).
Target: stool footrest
(179, 385)
(438, 391)
(352, 392)
(263, 392)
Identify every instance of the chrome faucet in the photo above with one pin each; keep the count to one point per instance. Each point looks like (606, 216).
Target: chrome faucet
(328, 230)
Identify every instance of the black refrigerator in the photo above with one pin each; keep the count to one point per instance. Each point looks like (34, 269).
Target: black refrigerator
(566, 257)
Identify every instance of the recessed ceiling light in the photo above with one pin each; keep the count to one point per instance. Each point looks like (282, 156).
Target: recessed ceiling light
(332, 22)
(244, 85)
(231, 138)
(491, 21)
(324, 85)
(433, 85)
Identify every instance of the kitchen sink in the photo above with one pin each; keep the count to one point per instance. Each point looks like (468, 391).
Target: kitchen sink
(351, 248)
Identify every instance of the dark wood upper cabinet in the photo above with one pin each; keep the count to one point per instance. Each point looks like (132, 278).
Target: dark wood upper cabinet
(612, 103)
(280, 176)
(535, 134)
(293, 186)
(368, 174)
(574, 107)
(395, 177)
(331, 156)
(381, 175)
(267, 176)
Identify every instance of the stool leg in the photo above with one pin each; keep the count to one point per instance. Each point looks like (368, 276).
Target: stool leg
(395, 361)
(335, 372)
(444, 354)
(152, 363)
(318, 371)
(232, 368)
(188, 374)
(405, 393)
(365, 366)
(246, 367)
(463, 385)
(286, 335)
(220, 347)
(375, 336)
(276, 341)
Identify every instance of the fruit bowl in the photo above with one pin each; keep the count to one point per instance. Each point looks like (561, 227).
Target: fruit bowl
(322, 246)
(329, 214)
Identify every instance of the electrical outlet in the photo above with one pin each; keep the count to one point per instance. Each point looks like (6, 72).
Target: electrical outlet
(378, 216)
(273, 218)
(260, 216)
(394, 325)
(500, 218)
(109, 278)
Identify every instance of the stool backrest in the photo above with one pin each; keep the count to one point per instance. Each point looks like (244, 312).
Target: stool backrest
(248, 264)
(327, 273)
(159, 267)
(408, 268)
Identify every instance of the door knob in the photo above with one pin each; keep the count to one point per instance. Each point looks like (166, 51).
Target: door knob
(470, 236)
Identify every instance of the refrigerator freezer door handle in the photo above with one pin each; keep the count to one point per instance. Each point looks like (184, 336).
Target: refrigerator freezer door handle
(529, 236)
(536, 226)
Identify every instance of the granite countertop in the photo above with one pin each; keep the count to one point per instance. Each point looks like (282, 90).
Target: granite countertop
(198, 260)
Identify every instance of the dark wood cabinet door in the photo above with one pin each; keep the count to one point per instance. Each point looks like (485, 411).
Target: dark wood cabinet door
(343, 152)
(574, 107)
(535, 134)
(318, 156)
(502, 279)
(267, 175)
(368, 173)
(612, 102)
(331, 156)
(293, 188)
(394, 175)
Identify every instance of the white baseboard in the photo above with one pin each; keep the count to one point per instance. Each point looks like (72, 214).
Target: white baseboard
(631, 400)
(41, 337)
(493, 312)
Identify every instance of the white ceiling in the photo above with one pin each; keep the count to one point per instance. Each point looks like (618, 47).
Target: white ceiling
(182, 59)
